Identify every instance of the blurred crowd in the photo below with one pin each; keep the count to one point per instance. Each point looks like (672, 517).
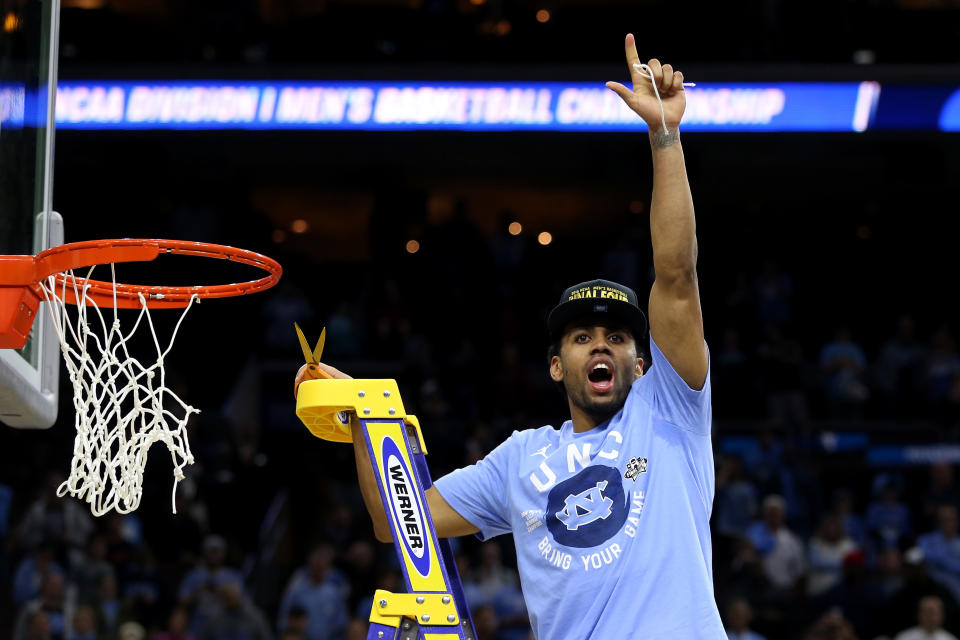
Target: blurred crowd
(877, 565)
(271, 541)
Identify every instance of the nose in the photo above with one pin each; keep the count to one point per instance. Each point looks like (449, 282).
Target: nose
(600, 345)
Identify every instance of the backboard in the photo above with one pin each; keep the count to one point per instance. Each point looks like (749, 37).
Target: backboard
(28, 224)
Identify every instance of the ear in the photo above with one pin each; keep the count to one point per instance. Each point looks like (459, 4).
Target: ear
(556, 369)
(638, 372)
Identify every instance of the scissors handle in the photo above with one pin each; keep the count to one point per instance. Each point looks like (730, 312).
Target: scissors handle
(309, 371)
(316, 373)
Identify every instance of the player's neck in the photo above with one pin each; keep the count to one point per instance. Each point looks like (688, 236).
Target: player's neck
(583, 420)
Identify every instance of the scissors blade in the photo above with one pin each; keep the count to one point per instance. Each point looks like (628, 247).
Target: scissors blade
(318, 350)
(304, 345)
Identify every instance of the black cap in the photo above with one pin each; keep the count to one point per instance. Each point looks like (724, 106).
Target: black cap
(597, 298)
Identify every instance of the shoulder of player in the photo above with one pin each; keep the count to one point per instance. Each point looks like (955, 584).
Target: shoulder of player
(539, 436)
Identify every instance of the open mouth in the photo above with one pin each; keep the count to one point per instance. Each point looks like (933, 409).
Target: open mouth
(601, 377)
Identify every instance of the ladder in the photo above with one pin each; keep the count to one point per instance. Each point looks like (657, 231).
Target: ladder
(434, 607)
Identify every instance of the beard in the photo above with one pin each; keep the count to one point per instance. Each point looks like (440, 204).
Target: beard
(603, 408)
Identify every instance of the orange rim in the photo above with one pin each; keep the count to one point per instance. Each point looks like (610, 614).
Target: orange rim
(30, 270)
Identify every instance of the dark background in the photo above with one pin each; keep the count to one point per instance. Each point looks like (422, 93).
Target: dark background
(800, 235)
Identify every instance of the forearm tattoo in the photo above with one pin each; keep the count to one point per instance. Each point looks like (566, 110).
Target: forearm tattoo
(662, 139)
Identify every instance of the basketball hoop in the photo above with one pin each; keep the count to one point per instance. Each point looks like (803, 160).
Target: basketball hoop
(122, 406)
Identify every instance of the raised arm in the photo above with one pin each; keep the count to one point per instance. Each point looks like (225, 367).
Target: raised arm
(676, 323)
(446, 521)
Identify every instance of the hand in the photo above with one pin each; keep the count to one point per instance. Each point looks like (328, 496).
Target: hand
(317, 371)
(642, 98)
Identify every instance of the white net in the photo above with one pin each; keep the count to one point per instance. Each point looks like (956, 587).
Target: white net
(122, 407)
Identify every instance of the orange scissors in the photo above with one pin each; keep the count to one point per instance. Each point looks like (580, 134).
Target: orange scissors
(310, 371)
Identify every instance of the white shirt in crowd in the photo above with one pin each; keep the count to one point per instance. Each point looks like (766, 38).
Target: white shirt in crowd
(917, 633)
(786, 561)
(826, 564)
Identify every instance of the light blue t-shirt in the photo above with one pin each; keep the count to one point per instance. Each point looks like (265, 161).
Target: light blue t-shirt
(611, 526)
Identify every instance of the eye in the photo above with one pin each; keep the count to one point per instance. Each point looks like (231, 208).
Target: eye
(581, 338)
(616, 338)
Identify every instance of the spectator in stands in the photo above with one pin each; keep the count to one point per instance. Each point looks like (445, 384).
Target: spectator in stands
(84, 624)
(177, 626)
(338, 525)
(929, 622)
(889, 572)
(55, 520)
(898, 367)
(735, 506)
(124, 535)
(888, 519)
(238, 618)
(89, 571)
(141, 591)
(491, 576)
(131, 631)
(827, 550)
(855, 595)
(739, 616)
(843, 507)
(200, 587)
(746, 578)
(843, 363)
(899, 610)
(831, 626)
(782, 552)
(35, 625)
(356, 630)
(297, 621)
(513, 621)
(360, 569)
(941, 490)
(53, 602)
(321, 591)
(493, 589)
(108, 605)
(943, 373)
(941, 550)
(764, 460)
(486, 623)
(31, 572)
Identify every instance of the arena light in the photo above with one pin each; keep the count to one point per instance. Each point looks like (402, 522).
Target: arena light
(514, 228)
(413, 246)
(11, 22)
(545, 238)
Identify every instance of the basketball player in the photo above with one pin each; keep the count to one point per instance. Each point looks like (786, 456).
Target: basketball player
(609, 513)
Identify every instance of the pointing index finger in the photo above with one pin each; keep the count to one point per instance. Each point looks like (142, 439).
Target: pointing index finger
(630, 46)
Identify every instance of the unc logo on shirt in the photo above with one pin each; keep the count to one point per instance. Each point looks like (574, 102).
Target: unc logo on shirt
(587, 509)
